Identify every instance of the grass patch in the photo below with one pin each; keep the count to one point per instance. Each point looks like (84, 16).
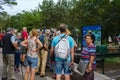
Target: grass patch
(113, 60)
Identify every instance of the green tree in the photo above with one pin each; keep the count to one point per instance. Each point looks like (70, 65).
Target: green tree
(75, 13)
(7, 2)
(111, 18)
(3, 20)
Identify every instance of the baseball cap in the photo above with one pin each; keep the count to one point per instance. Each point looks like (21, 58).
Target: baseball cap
(10, 29)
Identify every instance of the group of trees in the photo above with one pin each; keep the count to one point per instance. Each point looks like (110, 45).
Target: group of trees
(7, 2)
(3, 15)
(75, 13)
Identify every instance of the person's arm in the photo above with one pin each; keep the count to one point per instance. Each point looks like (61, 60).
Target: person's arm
(89, 67)
(76, 46)
(72, 55)
(39, 45)
(92, 58)
(51, 51)
(52, 48)
(72, 44)
(24, 43)
(14, 43)
(92, 52)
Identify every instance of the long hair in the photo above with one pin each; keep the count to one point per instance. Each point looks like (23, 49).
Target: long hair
(34, 32)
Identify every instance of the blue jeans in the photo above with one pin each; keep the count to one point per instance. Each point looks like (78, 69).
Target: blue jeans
(31, 62)
(17, 59)
(64, 67)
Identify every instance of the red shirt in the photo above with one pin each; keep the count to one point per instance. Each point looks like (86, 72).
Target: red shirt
(1, 35)
(24, 35)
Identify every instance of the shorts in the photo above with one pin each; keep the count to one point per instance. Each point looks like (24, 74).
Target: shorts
(24, 51)
(31, 62)
(62, 68)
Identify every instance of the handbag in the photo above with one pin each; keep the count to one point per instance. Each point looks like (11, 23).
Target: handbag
(82, 67)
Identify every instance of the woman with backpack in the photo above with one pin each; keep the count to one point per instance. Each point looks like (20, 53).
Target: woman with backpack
(33, 45)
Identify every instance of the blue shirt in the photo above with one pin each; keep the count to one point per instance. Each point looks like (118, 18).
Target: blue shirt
(55, 42)
(13, 38)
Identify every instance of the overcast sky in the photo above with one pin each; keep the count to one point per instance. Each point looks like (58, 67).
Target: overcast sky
(26, 5)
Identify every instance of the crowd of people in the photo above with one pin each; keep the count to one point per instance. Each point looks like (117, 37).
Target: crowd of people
(39, 49)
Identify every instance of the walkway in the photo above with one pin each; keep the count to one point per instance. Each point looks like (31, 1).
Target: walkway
(75, 76)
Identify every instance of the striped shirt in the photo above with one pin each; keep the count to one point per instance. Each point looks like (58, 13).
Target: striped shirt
(87, 52)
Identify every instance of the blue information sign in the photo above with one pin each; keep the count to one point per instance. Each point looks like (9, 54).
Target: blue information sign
(95, 30)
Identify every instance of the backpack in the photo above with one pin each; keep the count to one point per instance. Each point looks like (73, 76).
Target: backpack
(62, 49)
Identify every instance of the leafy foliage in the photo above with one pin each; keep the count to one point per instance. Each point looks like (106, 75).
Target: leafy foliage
(75, 13)
(7, 2)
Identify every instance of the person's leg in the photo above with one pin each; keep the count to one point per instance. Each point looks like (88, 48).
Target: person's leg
(23, 55)
(32, 74)
(38, 65)
(58, 70)
(67, 70)
(48, 59)
(44, 59)
(34, 62)
(27, 73)
(22, 58)
(18, 62)
(11, 74)
(5, 63)
(15, 63)
(53, 69)
(67, 77)
(58, 77)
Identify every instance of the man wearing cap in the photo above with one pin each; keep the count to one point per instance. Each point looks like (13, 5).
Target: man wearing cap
(61, 65)
(9, 46)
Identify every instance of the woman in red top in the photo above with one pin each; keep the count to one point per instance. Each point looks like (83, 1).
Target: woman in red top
(24, 33)
(25, 37)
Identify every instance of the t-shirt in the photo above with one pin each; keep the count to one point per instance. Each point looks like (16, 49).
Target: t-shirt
(87, 51)
(24, 35)
(13, 38)
(19, 45)
(55, 42)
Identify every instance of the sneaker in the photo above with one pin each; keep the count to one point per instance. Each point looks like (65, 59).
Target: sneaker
(17, 70)
(54, 76)
(43, 75)
(37, 73)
